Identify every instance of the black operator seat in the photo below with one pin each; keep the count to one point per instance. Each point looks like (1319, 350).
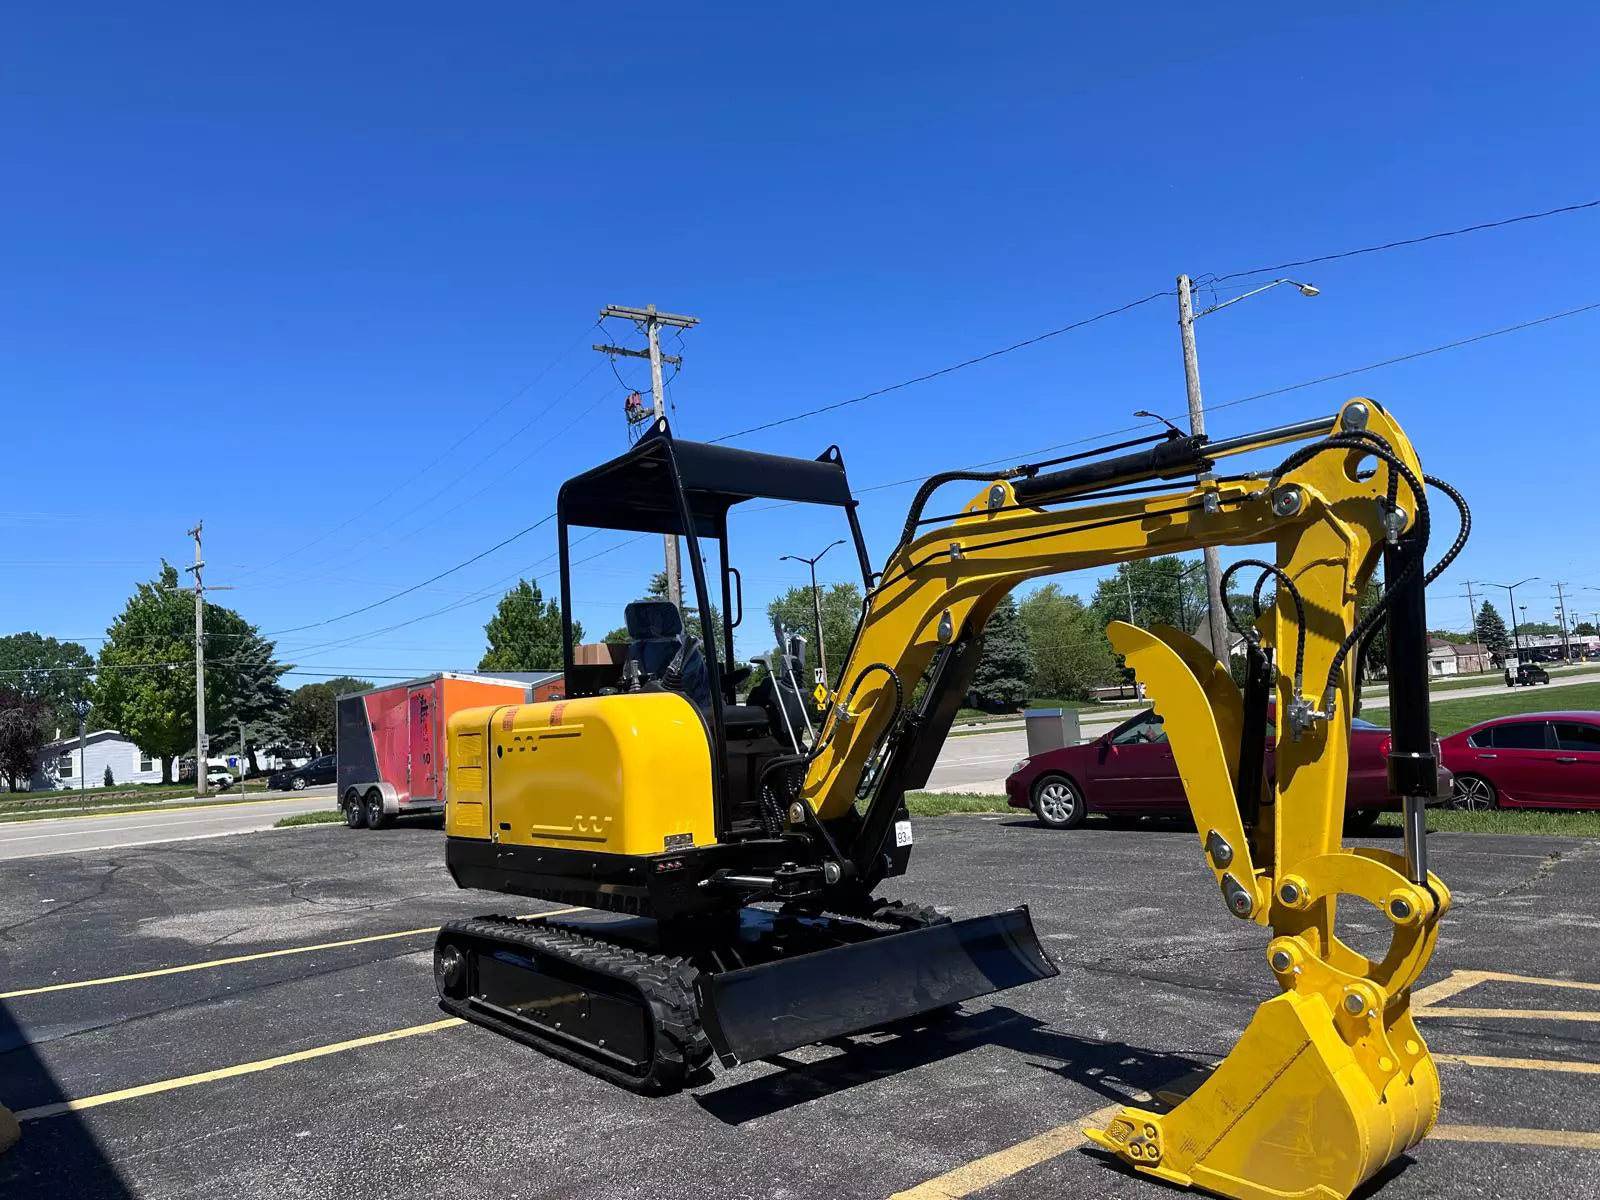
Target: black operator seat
(659, 649)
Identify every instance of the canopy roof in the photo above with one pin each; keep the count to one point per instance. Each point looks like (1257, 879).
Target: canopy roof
(635, 490)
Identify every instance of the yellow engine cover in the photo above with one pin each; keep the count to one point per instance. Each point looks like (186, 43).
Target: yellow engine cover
(628, 774)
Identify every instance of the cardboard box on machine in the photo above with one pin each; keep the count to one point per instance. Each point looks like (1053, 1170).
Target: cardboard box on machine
(599, 654)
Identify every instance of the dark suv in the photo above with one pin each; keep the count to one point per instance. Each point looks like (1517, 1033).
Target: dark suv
(297, 779)
(1526, 675)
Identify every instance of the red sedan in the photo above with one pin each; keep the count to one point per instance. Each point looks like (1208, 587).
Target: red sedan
(1131, 772)
(1535, 760)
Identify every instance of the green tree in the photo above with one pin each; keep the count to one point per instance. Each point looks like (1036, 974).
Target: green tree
(1071, 654)
(1160, 591)
(245, 678)
(22, 735)
(841, 612)
(1451, 636)
(311, 713)
(1005, 670)
(58, 673)
(525, 632)
(1491, 629)
(144, 683)
(1584, 629)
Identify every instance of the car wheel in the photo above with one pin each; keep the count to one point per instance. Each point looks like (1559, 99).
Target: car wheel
(298, 783)
(355, 812)
(1473, 793)
(1057, 802)
(376, 817)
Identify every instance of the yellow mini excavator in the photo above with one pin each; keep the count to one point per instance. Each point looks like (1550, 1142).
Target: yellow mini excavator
(739, 845)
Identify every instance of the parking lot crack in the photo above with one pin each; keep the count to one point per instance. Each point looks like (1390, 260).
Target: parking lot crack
(1541, 873)
(103, 885)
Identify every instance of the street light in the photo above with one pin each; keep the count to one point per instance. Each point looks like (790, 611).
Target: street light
(816, 601)
(1215, 619)
(1305, 290)
(1511, 600)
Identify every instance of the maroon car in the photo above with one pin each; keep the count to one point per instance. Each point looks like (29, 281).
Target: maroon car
(1535, 760)
(1131, 772)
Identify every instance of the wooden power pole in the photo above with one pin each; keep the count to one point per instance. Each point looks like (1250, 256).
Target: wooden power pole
(651, 321)
(200, 589)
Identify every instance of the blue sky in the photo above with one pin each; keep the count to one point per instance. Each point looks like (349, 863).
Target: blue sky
(267, 267)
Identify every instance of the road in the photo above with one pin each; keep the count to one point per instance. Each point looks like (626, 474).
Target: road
(980, 762)
(111, 831)
(1495, 686)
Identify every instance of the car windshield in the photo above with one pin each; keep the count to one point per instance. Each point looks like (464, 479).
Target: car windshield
(1146, 727)
(1358, 723)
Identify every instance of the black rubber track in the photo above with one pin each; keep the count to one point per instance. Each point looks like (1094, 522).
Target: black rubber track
(678, 1045)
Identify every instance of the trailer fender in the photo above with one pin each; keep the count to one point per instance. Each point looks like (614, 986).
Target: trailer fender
(390, 794)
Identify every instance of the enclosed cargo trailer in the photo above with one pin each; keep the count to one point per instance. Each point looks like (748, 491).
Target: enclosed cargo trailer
(391, 755)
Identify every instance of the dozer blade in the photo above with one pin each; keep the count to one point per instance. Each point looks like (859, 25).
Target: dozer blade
(758, 1011)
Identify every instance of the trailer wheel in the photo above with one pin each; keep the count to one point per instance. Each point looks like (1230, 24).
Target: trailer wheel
(355, 813)
(376, 817)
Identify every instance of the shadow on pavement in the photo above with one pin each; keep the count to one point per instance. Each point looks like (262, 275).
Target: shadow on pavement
(58, 1156)
(1114, 1070)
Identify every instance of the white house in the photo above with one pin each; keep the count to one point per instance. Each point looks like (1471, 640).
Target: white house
(71, 763)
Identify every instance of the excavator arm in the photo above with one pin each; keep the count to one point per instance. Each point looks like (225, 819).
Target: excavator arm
(1331, 1079)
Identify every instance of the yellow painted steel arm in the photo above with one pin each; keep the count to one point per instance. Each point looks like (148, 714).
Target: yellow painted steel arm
(1331, 1080)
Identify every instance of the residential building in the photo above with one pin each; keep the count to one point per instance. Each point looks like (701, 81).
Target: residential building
(74, 763)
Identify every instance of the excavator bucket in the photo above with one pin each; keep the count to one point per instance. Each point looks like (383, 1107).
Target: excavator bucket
(1331, 1080)
(754, 1012)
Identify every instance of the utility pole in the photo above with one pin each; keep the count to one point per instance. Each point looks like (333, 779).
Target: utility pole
(200, 589)
(1561, 617)
(1472, 610)
(1216, 621)
(651, 321)
(1128, 584)
(1216, 618)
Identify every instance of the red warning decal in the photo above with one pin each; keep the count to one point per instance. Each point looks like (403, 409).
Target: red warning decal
(555, 713)
(508, 719)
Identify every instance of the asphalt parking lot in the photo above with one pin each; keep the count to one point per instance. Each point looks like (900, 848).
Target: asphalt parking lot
(329, 1072)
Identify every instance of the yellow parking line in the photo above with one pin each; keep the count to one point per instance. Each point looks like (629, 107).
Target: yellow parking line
(1457, 982)
(1460, 981)
(244, 958)
(1506, 1136)
(1535, 980)
(1514, 1014)
(1002, 1164)
(1520, 1064)
(249, 1068)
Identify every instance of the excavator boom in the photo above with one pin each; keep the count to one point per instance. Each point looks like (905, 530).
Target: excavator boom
(1331, 1080)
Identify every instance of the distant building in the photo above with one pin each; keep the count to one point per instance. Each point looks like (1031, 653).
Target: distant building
(1457, 658)
(74, 763)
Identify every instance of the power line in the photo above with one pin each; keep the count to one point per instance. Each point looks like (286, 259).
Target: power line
(1025, 455)
(1412, 241)
(523, 532)
(1389, 362)
(971, 362)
